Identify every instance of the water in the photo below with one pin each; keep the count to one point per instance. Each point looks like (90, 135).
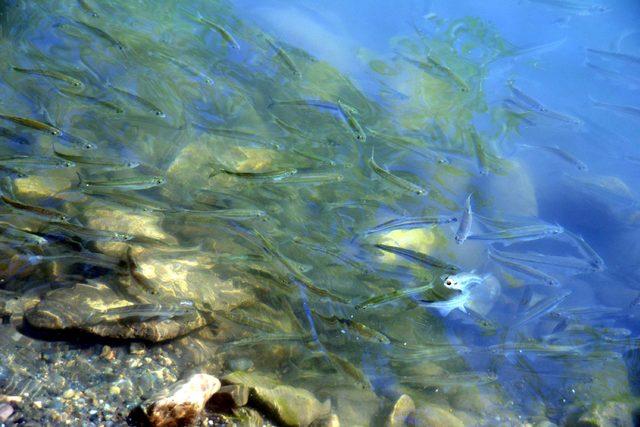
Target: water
(243, 228)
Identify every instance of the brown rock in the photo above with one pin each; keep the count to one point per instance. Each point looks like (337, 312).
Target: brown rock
(228, 398)
(53, 313)
(6, 411)
(183, 403)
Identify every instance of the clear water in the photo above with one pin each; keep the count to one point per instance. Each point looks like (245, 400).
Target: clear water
(519, 108)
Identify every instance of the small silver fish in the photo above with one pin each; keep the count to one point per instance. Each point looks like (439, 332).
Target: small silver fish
(466, 221)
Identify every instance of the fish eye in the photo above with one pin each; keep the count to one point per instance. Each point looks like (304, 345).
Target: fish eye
(69, 164)
(159, 113)
(448, 282)
(89, 146)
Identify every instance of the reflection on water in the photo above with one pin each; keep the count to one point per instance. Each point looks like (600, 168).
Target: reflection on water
(417, 226)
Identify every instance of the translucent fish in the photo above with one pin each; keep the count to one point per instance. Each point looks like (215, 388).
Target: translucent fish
(275, 175)
(103, 163)
(33, 124)
(57, 75)
(410, 223)
(624, 109)
(424, 259)
(559, 152)
(134, 183)
(142, 313)
(284, 57)
(568, 262)
(377, 300)
(530, 271)
(631, 59)
(395, 180)
(520, 234)
(541, 308)
(48, 214)
(138, 99)
(363, 331)
(466, 220)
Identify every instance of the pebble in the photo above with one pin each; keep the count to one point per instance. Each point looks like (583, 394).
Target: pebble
(68, 394)
(114, 390)
(6, 411)
(37, 404)
(108, 353)
(137, 348)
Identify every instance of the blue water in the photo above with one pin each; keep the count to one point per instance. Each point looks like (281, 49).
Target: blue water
(542, 84)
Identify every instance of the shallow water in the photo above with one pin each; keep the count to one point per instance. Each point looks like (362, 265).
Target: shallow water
(219, 180)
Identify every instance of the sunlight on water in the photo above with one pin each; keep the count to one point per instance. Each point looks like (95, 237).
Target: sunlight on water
(350, 213)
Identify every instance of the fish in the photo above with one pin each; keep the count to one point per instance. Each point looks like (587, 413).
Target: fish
(527, 101)
(466, 220)
(49, 214)
(362, 330)
(78, 141)
(317, 103)
(538, 348)
(268, 338)
(632, 59)
(145, 103)
(462, 283)
(104, 163)
(464, 379)
(335, 253)
(530, 271)
(377, 300)
(407, 353)
(35, 162)
(88, 8)
(13, 136)
(100, 33)
(521, 234)
(231, 214)
(395, 180)
(410, 223)
(575, 7)
(89, 234)
(541, 308)
(141, 313)
(135, 183)
(284, 57)
(546, 259)
(183, 65)
(315, 157)
(128, 199)
(439, 71)
(343, 365)
(595, 260)
(275, 175)
(311, 178)
(33, 124)
(350, 119)
(481, 154)
(579, 164)
(624, 109)
(410, 145)
(419, 257)
(96, 100)
(217, 27)
(57, 75)
(19, 235)
(295, 272)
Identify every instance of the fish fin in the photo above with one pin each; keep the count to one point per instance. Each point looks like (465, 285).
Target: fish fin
(463, 309)
(80, 180)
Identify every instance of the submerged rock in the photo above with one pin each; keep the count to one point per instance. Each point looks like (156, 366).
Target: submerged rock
(182, 404)
(401, 411)
(431, 415)
(606, 414)
(229, 397)
(286, 405)
(53, 313)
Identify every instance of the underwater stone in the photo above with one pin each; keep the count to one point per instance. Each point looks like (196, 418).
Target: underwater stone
(229, 397)
(6, 411)
(607, 414)
(183, 403)
(401, 411)
(284, 404)
(41, 186)
(328, 421)
(53, 313)
(430, 415)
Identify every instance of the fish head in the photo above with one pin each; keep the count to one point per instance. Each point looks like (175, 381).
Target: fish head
(121, 237)
(461, 281)
(132, 164)
(68, 164)
(159, 180)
